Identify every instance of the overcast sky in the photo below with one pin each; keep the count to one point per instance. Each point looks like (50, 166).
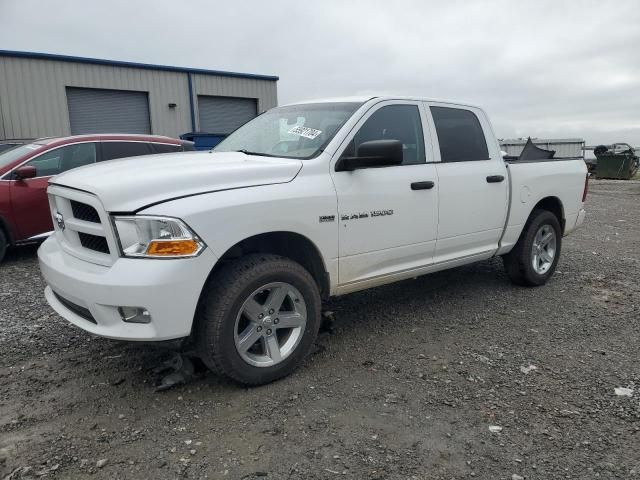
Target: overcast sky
(540, 68)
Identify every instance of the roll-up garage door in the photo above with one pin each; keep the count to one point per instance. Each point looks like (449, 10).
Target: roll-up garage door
(224, 114)
(94, 110)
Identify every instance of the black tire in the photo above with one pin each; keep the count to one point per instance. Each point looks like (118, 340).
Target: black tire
(519, 262)
(3, 244)
(221, 301)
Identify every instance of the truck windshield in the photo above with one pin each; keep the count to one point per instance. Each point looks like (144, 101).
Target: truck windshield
(296, 131)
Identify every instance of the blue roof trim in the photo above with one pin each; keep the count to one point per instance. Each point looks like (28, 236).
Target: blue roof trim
(147, 66)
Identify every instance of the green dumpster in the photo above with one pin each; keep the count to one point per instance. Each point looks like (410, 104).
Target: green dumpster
(619, 162)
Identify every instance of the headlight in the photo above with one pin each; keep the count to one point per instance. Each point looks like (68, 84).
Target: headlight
(156, 237)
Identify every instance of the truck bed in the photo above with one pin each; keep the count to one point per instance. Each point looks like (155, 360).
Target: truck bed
(563, 179)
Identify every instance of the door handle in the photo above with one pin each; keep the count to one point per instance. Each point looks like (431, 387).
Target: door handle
(422, 185)
(495, 178)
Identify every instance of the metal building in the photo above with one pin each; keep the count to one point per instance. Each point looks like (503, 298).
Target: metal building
(564, 147)
(51, 95)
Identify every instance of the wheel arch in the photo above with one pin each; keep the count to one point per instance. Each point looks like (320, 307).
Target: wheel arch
(553, 205)
(287, 244)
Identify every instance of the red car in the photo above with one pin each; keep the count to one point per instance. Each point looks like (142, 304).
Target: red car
(25, 171)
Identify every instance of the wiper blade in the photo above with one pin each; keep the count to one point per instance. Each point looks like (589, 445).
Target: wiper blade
(247, 152)
(259, 154)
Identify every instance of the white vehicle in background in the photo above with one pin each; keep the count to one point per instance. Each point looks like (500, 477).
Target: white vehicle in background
(236, 248)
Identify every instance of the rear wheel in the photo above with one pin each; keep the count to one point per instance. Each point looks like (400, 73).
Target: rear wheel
(535, 256)
(258, 319)
(3, 244)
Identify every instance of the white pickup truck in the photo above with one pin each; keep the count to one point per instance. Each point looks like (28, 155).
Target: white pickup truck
(236, 248)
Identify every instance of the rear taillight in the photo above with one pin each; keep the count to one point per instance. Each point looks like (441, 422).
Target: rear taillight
(586, 188)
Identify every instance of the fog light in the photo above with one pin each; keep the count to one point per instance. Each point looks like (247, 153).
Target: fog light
(134, 314)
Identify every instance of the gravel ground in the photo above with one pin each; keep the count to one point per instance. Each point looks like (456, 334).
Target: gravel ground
(454, 375)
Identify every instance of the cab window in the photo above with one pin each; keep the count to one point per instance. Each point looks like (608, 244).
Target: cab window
(393, 122)
(64, 158)
(460, 135)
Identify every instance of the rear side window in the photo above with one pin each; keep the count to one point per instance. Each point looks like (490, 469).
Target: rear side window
(394, 122)
(165, 148)
(460, 135)
(113, 150)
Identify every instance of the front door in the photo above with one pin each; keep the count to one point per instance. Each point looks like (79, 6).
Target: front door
(387, 216)
(29, 201)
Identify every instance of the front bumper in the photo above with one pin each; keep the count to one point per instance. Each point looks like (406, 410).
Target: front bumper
(168, 289)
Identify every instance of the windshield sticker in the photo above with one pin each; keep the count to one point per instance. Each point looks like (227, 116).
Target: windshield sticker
(305, 132)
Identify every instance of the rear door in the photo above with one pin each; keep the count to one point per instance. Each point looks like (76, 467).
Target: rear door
(472, 179)
(29, 202)
(386, 225)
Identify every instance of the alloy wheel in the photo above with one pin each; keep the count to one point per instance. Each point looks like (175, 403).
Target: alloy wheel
(270, 324)
(543, 249)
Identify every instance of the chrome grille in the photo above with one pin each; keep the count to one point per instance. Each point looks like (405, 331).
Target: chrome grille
(93, 242)
(85, 212)
(82, 226)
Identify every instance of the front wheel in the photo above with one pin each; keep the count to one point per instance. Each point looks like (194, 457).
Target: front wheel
(535, 256)
(258, 319)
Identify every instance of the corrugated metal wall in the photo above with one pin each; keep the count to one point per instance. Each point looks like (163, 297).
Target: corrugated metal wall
(33, 100)
(565, 147)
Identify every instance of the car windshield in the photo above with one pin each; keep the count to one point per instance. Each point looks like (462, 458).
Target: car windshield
(296, 131)
(13, 154)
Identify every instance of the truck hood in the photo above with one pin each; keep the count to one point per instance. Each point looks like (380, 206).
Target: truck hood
(130, 184)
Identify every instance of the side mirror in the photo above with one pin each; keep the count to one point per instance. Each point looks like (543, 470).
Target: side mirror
(25, 172)
(376, 153)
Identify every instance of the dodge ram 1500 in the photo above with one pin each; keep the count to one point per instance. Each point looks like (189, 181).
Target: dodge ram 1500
(236, 248)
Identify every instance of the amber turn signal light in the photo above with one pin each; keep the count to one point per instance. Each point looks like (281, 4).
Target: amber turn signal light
(173, 248)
